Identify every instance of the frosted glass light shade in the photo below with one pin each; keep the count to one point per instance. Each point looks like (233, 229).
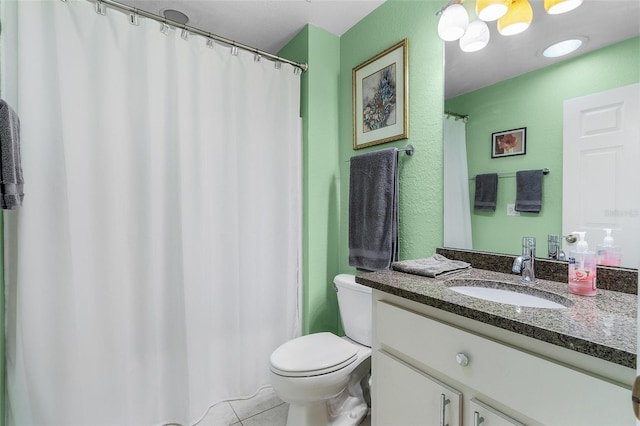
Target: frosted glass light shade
(490, 10)
(562, 48)
(517, 19)
(555, 7)
(453, 22)
(476, 37)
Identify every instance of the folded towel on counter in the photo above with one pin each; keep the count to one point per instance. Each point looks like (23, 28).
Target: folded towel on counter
(486, 192)
(373, 210)
(529, 191)
(434, 266)
(11, 181)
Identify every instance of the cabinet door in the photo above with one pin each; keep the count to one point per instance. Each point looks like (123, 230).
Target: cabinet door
(407, 396)
(483, 415)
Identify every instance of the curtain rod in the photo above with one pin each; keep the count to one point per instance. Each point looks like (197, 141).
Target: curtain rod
(135, 11)
(545, 171)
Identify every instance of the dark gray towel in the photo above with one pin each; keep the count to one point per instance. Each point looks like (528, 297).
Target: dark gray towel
(486, 192)
(11, 193)
(434, 266)
(373, 210)
(529, 191)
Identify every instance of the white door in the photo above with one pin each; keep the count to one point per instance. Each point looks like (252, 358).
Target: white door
(408, 396)
(601, 172)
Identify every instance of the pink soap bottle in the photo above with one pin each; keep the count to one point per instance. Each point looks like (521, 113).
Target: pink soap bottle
(582, 268)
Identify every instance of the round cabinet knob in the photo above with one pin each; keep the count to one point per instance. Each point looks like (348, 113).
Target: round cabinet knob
(462, 359)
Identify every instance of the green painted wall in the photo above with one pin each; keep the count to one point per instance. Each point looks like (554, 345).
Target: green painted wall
(421, 198)
(319, 108)
(327, 113)
(535, 101)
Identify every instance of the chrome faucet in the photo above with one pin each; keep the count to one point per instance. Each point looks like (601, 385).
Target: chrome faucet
(525, 263)
(553, 247)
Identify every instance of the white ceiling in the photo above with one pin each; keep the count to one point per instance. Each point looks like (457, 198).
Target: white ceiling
(601, 22)
(270, 24)
(265, 24)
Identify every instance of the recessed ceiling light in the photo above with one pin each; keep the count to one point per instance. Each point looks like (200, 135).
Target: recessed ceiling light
(562, 48)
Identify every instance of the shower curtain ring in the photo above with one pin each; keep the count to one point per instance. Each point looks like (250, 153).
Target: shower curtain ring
(101, 8)
(133, 18)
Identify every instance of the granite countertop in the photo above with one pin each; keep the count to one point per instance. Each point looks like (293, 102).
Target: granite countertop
(603, 326)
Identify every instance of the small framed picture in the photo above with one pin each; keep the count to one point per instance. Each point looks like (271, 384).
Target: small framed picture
(381, 97)
(509, 142)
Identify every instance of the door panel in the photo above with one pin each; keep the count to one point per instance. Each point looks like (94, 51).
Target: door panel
(601, 176)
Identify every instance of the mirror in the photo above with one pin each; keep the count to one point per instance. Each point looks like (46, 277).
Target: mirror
(510, 85)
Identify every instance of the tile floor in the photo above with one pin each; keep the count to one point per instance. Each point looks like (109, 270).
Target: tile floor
(264, 409)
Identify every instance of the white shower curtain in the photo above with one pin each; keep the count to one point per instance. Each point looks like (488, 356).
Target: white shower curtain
(457, 214)
(154, 265)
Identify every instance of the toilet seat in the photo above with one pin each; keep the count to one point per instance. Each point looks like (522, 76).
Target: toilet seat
(313, 355)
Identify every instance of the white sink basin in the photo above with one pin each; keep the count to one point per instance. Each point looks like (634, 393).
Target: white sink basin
(508, 296)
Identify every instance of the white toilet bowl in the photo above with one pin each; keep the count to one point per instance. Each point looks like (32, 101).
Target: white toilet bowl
(321, 375)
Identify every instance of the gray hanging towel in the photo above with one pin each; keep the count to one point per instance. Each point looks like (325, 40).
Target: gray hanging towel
(486, 192)
(373, 210)
(11, 193)
(434, 266)
(529, 191)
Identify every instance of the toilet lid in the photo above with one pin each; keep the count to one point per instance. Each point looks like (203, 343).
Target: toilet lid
(312, 355)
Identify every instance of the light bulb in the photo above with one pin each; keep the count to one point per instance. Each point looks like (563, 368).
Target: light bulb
(555, 7)
(517, 19)
(453, 22)
(490, 10)
(476, 37)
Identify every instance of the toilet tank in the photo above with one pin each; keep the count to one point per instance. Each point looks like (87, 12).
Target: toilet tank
(354, 301)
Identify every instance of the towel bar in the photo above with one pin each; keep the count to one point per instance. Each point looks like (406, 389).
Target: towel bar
(545, 171)
(409, 150)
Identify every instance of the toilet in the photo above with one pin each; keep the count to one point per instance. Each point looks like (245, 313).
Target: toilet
(324, 377)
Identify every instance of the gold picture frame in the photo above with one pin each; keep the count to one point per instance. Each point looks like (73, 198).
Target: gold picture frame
(381, 97)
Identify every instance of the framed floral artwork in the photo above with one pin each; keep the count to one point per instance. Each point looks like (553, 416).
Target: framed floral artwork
(509, 142)
(381, 97)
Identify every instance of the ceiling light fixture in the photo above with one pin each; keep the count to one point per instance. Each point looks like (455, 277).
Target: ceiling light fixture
(175, 16)
(517, 19)
(476, 37)
(555, 7)
(454, 20)
(562, 48)
(491, 10)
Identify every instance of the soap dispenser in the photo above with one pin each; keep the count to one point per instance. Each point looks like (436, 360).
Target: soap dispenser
(608, 254)
(582, 268)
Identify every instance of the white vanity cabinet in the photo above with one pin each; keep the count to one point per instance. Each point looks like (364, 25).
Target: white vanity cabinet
(416, 355)
(482, 414)
(416, 397)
